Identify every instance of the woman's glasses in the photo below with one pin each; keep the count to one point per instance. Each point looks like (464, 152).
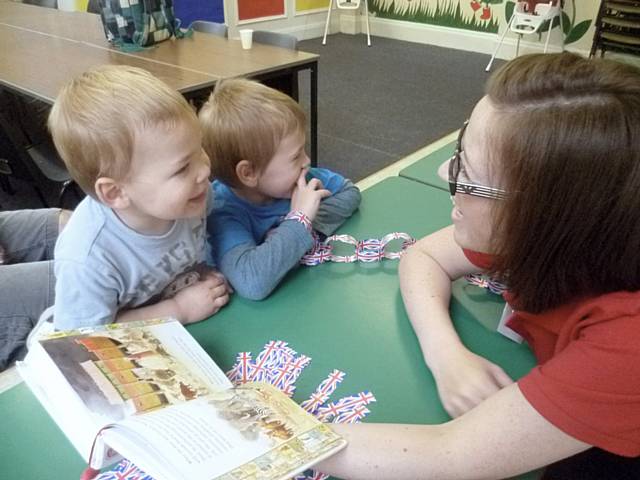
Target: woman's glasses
(466, 187)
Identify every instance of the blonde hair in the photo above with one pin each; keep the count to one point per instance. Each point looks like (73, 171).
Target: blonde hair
(96, 116)
(245, 120)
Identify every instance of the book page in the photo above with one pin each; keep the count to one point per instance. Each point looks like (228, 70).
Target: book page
(107, 373)
(253, 430)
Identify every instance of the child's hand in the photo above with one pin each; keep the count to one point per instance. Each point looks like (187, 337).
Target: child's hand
(202, 299)
(306, 196)
(213, 273)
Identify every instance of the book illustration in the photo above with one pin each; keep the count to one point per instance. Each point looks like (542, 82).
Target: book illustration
(123, 371)
(258, 415)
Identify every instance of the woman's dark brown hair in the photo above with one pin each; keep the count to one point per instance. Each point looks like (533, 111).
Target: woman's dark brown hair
(567, 138)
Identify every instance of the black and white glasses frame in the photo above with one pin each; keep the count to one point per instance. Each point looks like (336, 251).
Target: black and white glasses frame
(465, 187)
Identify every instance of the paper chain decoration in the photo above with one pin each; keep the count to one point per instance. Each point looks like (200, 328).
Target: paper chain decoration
(279, 365)
(370, 250)
(486, 282)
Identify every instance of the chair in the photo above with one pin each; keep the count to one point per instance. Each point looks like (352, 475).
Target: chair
(93, 6)
(287, 82)
(527, 22)
(42, 3)
(37, 164)
(617, 27)
(276, 39)
(204, 26)
(346, 5)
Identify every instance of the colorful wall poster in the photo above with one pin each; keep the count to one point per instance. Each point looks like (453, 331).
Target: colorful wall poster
(303, 6)
(254, 9)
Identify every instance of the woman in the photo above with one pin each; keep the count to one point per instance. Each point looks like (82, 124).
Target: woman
(546, 192)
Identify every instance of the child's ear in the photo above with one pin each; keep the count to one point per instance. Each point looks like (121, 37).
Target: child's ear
(247, 173)
(111, 193)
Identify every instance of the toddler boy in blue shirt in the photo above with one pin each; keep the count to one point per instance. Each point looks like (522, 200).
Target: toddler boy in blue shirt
(134, 248)
(268, 200)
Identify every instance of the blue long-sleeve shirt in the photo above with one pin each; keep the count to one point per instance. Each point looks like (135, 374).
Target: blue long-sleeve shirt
(254, 248)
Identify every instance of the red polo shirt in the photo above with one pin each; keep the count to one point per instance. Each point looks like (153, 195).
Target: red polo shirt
(587, 382)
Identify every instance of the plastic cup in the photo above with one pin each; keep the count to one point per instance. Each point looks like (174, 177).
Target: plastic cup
(67, 5)
(246, 37)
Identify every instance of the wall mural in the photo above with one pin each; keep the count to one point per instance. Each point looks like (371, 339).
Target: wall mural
(477, 15)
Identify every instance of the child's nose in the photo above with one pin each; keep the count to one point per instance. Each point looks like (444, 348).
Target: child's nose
(204, 171)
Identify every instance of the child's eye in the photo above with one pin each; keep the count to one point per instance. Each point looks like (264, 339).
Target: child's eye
(182, 170)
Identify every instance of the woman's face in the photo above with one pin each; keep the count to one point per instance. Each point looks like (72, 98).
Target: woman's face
(472, 216)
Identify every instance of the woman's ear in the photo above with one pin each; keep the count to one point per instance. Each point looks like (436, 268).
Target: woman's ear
(247, 173)
(111, 193)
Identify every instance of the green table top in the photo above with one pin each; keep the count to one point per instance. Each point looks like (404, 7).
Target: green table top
(344, 316)
(426, 170)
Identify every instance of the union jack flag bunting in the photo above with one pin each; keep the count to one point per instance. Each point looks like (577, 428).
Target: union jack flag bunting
(324, 390)
(125, 470)
(352, 416)
(344, 406)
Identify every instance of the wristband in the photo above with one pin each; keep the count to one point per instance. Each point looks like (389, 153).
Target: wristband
(299, 216)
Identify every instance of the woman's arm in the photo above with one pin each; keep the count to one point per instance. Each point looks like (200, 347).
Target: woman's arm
(502, 437)
(464, 379)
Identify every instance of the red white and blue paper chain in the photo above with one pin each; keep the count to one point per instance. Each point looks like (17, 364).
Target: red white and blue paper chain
(487, 282)
(369, 250)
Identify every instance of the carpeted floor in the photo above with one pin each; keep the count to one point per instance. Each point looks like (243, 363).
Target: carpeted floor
(376, 104)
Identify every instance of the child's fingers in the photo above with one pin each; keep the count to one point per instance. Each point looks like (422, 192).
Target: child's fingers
(216, 277)
(219, 291)
(221, 301)
(315, 184)
(324, 193)
(302, 181)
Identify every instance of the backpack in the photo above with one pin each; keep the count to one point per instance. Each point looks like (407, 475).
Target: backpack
(138, 23)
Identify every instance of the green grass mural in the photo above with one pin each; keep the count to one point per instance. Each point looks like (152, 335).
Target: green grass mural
(477, 15)
(474, 15)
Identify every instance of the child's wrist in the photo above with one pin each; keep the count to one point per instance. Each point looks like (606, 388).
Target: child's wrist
(300, 217)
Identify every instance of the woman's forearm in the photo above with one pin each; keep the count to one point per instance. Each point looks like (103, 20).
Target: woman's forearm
(502, 437)
(426, 272)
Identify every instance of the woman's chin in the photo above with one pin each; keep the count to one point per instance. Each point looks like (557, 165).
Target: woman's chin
(464, 240)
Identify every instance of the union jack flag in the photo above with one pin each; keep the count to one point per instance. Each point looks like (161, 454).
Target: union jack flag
(324, 390)
(125, 470)
(353, 416)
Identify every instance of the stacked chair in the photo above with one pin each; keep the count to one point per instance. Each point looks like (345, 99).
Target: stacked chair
(617, 27)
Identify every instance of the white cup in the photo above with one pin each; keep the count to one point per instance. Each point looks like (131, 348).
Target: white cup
(246, 37)
(67, 5)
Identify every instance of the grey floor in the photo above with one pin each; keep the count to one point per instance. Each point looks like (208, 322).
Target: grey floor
(376, 104)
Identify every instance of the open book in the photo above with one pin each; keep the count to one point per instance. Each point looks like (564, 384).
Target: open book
(147, 391)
